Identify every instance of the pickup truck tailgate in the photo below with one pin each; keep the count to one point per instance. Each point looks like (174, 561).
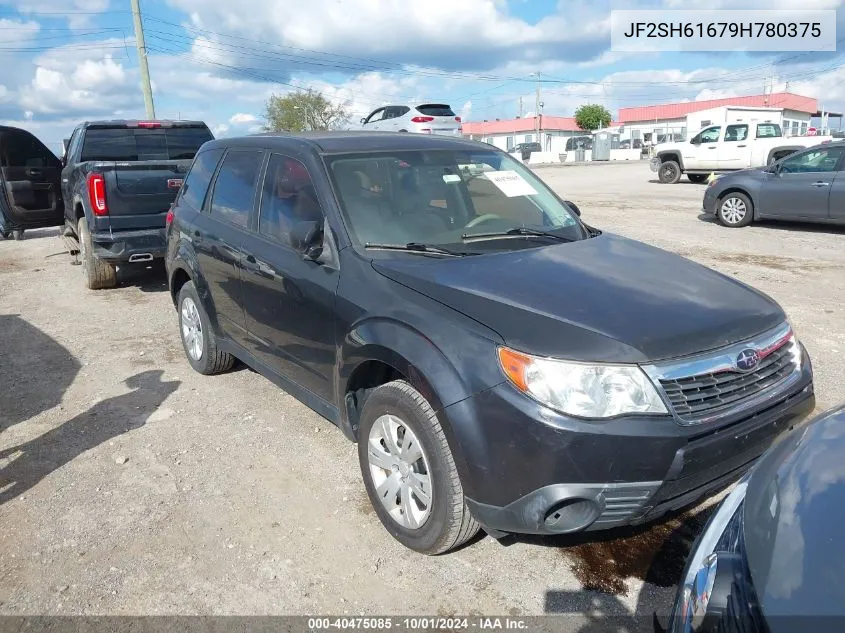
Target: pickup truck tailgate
(142, 189)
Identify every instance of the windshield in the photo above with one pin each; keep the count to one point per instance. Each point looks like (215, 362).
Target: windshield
(447, 198)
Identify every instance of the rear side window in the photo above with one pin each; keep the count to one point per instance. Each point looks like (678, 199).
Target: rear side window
(234, 189)
(435, 109)
(768, 130)
(198, 179)
(134, 144)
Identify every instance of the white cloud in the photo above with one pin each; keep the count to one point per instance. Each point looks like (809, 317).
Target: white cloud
(242, 118)
(79, 13)
(220, 129)
(14, 33)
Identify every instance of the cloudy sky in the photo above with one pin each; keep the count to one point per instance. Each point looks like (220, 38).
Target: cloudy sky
(65, 61)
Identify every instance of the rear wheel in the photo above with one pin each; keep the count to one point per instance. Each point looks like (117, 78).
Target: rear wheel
(98, 274)
(409, 472)
(697, 178)
(669, 172)
(735, 210)
(17, 235)
(197, 336)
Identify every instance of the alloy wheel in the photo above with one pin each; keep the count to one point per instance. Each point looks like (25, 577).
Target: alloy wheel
(400, 472)
(192, 333)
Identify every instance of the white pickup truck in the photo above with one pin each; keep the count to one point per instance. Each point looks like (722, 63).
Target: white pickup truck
(720, 148)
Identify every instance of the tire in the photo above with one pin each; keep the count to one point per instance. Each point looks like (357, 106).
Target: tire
(98, 274)
(697, 178)
(735, 210)
(17, 235)
(669, 172)
(201, 348)
(395, 409)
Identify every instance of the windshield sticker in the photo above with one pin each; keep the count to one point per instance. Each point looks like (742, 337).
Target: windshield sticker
(510, 183)
(451, 178)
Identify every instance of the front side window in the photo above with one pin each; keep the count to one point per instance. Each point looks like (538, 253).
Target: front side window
(817, 160)
(734, 133)
(234, 189)
(710, 135)
(288, 197)
(198, 178)
(444, 197)
(22, 149)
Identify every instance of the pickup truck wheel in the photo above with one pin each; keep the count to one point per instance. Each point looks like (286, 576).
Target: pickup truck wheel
(735, 210)
(409, 471)
(697, 178)
(197, 336)
(98, 274)
(669, 172)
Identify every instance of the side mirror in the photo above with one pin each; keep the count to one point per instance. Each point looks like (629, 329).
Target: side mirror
(363, 121)
(696, 141)
(305, 237)
(573, 207)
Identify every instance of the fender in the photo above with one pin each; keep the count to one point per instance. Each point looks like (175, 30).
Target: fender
(185, 260)
(412, 354)
(673, 152)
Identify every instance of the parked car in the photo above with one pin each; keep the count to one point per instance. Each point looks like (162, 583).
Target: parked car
(424, 118)
(119, 179)
(631, 144)
(807, 186)
(737, 146)
(524, 149)
(30, 191)
(770, 559)
(499, 362)
(579, 142)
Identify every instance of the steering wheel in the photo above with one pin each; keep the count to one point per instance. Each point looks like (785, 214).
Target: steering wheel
(487, 217)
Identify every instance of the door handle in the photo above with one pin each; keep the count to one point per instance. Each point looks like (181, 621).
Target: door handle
(742, 145)
(711, 147)
(197, 237)
(250, 259)
(820, 184)
(33, 172)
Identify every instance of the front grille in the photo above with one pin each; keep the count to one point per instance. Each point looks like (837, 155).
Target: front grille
(704, 394)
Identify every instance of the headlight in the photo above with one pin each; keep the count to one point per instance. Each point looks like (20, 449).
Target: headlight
(581, 389)
(719, 544)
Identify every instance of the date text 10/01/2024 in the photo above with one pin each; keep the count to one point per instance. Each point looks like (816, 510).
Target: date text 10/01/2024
(416, 623)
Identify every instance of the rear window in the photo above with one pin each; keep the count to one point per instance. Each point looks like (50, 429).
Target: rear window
(435, 109)
(134, 144)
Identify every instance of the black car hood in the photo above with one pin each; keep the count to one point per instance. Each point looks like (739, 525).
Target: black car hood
(606, 298)
(794, 513)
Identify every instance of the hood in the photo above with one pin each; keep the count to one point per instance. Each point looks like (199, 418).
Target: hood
(794, 512)
(606, 298)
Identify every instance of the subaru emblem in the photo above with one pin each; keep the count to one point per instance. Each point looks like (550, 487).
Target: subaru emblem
(747, 360)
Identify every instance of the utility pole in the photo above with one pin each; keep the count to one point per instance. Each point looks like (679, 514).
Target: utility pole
(537, 109)
(142, 60)
(520, 107)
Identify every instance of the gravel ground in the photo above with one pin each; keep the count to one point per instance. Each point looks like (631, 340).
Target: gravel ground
(130, 485)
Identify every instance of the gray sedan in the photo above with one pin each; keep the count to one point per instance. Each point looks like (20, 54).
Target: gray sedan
(807, 186)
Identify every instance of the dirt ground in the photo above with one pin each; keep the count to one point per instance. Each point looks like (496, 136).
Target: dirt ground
(131, 485)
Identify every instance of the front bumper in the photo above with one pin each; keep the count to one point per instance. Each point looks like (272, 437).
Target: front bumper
(654, 164)
(527, 469)
(121, 246)
(708, 203)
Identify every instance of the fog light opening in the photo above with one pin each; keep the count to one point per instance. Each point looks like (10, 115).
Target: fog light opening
(571, 515)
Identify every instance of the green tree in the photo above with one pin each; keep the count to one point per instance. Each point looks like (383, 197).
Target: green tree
(592, 116)
(303, 110)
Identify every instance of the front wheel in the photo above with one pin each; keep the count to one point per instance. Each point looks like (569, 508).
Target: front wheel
(410, 473)
(17, 235)
(669, 173)
(735, 210)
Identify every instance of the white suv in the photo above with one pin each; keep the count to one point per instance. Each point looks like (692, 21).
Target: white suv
(425, 118)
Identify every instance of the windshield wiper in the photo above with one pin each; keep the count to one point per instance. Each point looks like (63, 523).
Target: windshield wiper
(416, 247)
(516, 232)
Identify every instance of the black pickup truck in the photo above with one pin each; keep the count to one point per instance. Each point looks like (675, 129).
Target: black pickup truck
(119, 179)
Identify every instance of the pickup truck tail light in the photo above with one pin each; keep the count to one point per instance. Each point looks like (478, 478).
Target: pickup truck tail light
(168, 219)
(97, 194)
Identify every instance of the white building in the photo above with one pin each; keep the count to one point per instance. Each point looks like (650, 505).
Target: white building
(676, 121)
